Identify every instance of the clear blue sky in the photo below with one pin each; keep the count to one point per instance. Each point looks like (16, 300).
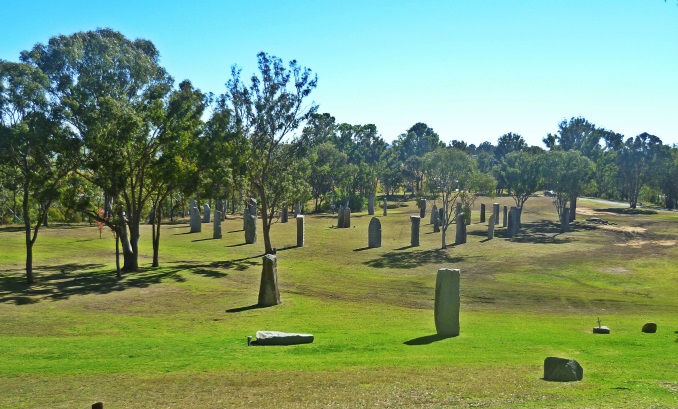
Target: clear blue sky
(471, 70)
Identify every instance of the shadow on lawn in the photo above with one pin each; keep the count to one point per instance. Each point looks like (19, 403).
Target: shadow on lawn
(538, 232)
(425, 340)
(410, 259)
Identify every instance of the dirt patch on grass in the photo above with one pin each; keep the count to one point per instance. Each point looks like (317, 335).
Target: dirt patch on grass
(624, 229)
(587, 211)
(640, 243)
(616, 270)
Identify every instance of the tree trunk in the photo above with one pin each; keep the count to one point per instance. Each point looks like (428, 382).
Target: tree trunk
(573, 208)
(128, 253)
(118, 273)
(30, 279)
(265, 221)
(155, 230)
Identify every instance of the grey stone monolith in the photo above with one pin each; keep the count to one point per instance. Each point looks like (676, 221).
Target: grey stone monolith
(565, 220)
(460, 237)
(300, 230)
(490, 228)
(196, 226)
(206, 213)
(370, 205)
(495, 212)
(269, 294)
(251, 229)
(482, 213)
(562, 370)
(441, 216)
(512, 227)
(217, 225)
(436, 225)
(447, 302)
(340, 217)
(374, 233)
(505, 220)
(434, 214)
(283, 215)
(422, 208)
(385, 207)
(414, 230)
(347, 217)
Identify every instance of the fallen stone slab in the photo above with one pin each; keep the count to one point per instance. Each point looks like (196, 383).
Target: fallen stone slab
(562, 370)
(282, 338)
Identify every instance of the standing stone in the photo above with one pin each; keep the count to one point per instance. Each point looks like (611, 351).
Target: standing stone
(374, 233)
(565, 220)
(251, 229)
(217, 225)
(340, 217)
(206, 213)
(347, 217)
(434, 214)
(283, 215)
(482, 213)
(441, 216)
(447, 302)
(297, 209)
(300, 231)
(436, 225)
(505, 221)
(385, 207)
(490, 228)
(512, 229)
(460, 237)
(495, 212)
(196, 226)
(370, 205)
(269, 294)
(422, 208)
(414, 236)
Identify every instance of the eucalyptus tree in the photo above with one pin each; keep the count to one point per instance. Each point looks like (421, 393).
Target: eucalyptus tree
(37, 151)
(107, 87)
(522, 172)
(636, 162)
(412, 145)
(327, 167)
(267, 111)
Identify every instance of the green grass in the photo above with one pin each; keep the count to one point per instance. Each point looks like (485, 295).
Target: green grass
(175, 336)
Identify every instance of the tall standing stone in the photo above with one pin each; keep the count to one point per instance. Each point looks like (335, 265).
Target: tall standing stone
(460, 237)
(434, 214)
(269, 294)
(512, 229)
(414, 229)
(251, 229)
(196, 226)
(385, 207)
(422, 208)
(565, 220)
(374, 233)
(482, 213)
(490, 228)
(340, 217)
(370, 205)
(441, 216)
(347, 217)
(206, 213)
(283, 215)
(447, 302)
(217, 225)
(495, 212)
(300, 231)
(505, 222)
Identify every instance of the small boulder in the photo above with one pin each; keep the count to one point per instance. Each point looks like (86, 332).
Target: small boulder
(601, 330)
(562, 370)
(650, 328)
(282, 338)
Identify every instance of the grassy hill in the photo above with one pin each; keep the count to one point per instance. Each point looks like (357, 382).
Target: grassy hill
(175, 336)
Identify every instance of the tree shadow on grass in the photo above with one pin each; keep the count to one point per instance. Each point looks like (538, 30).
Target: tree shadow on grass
(626, 210)
(425, 340)
(412, 259)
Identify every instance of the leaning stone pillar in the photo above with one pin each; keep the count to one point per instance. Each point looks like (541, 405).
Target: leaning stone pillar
(269, 294)
(447, 302)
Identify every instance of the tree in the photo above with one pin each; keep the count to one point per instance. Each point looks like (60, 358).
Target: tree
(412, 146)
(36, 149)
(635, 161)
(108, 87)
(267, 112)
(523, 174)
(327, 168)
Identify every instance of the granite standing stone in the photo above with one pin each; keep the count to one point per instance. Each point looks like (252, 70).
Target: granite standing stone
(385, 207)
(565, 220)
(217, 225)
(482, 213)
(340, 217)
(447, 302)
(441, 216)
(434, 214)
(283, 215)
(251, 229)
(300, 230)
(490, 228)
(505, 221)
(374, 233)
(269, 294)
(206, 213)
(495, 212)
(414, 229)
(347, 217)
(436, 225)
(562, 370)
(370, 205)
(460, 237)
(196, 226)
(512, 228)
(422, 208)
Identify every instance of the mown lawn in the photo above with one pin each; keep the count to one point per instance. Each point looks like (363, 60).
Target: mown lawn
(175, 336)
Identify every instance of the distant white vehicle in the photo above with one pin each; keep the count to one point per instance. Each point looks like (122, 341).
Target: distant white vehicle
(549, 193)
